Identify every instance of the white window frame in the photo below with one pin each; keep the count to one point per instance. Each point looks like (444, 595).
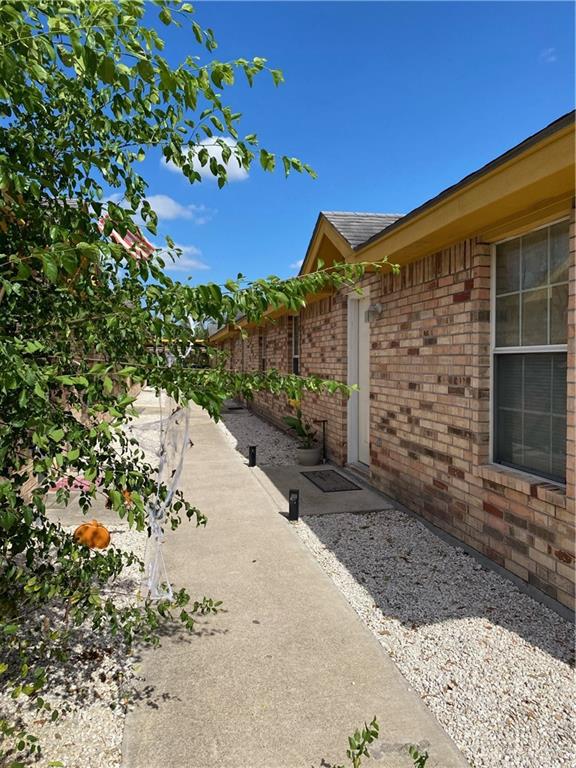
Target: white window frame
(494, 350)
(352, 378)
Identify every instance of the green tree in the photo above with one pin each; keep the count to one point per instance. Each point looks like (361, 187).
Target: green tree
(85, 95)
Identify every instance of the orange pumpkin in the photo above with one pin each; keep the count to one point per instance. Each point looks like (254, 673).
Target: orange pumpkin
(93, 535)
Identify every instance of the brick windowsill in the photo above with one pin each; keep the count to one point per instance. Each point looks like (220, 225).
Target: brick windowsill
(531, 485)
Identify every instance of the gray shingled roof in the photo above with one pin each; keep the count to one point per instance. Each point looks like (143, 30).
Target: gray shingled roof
(356, 228)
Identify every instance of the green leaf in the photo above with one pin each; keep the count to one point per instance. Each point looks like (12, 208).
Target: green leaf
(50, 268)
(39, 392)
(107, 70)
(197, 30)
(33, 346)
(85, 94)
(56, 434)
(277, 76)
(70, 261)
(115, 498)
(267, 160)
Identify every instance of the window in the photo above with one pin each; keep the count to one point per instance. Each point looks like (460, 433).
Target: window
(296, 345)
(262, 351)
(530, 336)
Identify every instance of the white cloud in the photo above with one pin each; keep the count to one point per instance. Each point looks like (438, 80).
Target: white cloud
(187, 262)
(548, 56)
(169, 209)
(297, 264)
(234, 171)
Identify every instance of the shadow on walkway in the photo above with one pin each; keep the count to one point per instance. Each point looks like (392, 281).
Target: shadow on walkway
(412, 574)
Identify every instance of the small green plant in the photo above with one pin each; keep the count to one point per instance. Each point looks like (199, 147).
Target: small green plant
(304, 430)
(420, 758)
(359, 741)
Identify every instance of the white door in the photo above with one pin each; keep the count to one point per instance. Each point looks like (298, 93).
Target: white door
(363, 382)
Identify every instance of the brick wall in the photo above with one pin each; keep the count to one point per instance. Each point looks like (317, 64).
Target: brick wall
(430, 410)
(278, 355)
(323, 353)
(430, 420)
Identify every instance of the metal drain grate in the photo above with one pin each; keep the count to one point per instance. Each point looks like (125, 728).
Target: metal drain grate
(330, 481)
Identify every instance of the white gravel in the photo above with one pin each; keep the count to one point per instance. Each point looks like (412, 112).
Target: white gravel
(93, 688)
(243, 428)
(90, 689)
(491, 663)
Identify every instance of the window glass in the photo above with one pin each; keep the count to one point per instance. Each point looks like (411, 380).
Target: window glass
(558, 448)
(559, 389)
(530, 412)
(509, 381)
(262, 346)
(537, 443)
(559, 252)
(508, 267)
(535, 317)
(532, 288)
(508, 320)
(535, 259)
(295, 335)
(510, 437)
(559, 314)
(531, 310)
(537, 381)
(296, 345)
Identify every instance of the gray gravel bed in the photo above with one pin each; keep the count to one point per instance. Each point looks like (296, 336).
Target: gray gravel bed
(243, 428)
(492, 664)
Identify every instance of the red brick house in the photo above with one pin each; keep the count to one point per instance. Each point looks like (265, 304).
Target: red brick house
(465, 360)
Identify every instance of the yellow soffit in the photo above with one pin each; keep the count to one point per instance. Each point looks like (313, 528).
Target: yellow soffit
(536, 184)
(325, 234)
(220, 335)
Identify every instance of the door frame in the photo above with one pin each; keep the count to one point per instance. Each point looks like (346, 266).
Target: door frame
(353, 427)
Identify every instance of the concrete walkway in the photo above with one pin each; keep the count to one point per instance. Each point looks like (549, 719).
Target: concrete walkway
(287, 671)
(278, 480)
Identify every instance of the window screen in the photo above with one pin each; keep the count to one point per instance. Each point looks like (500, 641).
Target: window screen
(530, 418)
(531, 306)
(532, 288)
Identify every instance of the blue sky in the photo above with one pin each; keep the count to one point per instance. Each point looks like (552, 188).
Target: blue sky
(389, 102)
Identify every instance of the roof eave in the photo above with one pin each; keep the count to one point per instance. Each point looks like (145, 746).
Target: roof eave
(531, 143)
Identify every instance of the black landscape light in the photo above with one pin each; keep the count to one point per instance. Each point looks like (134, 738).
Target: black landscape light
(293, 505)
(251, 455)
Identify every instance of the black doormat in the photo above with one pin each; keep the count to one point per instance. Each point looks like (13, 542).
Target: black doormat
(330, 481)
